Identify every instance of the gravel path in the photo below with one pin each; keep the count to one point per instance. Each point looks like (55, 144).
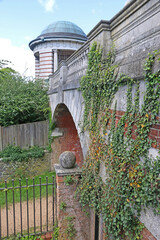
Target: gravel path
(24, 217)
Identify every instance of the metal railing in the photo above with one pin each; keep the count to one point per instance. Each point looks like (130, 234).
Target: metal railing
(27, 209)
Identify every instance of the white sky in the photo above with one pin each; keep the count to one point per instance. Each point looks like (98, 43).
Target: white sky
(20, 56)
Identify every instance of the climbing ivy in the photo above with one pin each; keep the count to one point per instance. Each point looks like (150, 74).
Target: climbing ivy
(122, 148)
(98, 86)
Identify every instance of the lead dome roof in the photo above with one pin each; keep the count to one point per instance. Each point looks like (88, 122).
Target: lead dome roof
(65, 29)
(60, 29)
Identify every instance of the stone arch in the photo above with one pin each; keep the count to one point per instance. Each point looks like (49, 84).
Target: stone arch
(66, 135)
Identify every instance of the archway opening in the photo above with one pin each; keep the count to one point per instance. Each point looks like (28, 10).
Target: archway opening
(67, 139)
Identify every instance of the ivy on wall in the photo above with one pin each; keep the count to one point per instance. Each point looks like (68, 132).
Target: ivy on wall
(132, 177)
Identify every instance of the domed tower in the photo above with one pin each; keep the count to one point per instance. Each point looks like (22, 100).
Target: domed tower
(57, 42)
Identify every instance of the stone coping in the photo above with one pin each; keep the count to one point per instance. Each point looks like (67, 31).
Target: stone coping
(60, 171)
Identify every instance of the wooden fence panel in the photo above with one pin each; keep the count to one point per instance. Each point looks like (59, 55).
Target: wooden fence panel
(24, 135)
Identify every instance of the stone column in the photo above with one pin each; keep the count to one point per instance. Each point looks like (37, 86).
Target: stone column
(71, 219)
(55, 60)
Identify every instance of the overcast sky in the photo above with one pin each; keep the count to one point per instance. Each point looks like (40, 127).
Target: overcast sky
(23, 20)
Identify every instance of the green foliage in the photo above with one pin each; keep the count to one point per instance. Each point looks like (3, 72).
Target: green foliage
(32, 237)
(132, 177)
(63, 206)
(15, 153)
(21, 101)
(70, 229)
(98, 86)
(55, 232)
(68, 180)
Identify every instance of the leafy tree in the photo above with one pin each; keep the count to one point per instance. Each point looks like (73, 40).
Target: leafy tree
(21, 101)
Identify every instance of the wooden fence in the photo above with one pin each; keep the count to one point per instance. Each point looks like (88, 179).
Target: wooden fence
(24, 135)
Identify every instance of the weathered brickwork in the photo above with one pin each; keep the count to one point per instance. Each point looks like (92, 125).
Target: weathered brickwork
(72, 209)
(147, 235)
(69, 141)
(154, 133)
(47, 236)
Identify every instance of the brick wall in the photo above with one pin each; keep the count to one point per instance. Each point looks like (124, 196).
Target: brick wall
(45, 64)
(66, 194)
(146, 234)
(154, 133)
(70, 139)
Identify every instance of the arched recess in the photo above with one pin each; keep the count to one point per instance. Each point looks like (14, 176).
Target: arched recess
(66, 135)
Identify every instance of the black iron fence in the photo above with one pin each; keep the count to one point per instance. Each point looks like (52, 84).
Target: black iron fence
(27, 209)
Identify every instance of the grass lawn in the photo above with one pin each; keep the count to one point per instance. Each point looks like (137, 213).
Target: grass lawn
(9, 192)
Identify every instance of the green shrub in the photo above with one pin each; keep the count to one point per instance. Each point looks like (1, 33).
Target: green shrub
(68, 180)
(15, 153)
(21, 101)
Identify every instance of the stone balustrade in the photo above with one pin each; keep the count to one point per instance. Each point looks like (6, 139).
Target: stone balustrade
(75, 68)
(54, 80)
(77, 63)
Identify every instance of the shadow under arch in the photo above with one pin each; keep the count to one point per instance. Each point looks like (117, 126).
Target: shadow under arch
(68, 139)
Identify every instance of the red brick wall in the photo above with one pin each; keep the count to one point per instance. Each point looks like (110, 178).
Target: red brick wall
(70, 140)
(154, 133)
(147, 235)
(66, 194)
(46, 236)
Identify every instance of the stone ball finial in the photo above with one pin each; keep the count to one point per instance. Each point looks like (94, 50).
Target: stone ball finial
(67, 159)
